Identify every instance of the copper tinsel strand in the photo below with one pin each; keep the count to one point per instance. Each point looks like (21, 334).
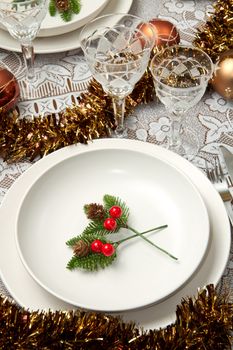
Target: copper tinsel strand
(216, 36)
(204, 322)
(90, 118)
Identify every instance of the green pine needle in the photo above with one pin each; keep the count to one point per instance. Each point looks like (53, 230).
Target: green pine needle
(95, 227)
(75, 6)
(86, 238)
(71, 242)
(91, 262)
(110, 201)
(86, 209)
(66, 15)
(52, 8)
(95, 231)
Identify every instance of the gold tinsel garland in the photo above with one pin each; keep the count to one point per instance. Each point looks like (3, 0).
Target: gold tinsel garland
(91, 118)
(204, 322)
(216, 36)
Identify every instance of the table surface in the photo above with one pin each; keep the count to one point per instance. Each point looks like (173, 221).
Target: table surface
(211, 119)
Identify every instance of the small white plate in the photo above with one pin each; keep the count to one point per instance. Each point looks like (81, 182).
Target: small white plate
(31, 296)
(52, 212)
(52, 26)
(63, 42)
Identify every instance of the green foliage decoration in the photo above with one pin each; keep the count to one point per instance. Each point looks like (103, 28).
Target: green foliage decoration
(66, 8)
(87, 259)
(92, 261)
(110, 201)
(75, 6)
(95, 227)
(66, 15)
(52, 8)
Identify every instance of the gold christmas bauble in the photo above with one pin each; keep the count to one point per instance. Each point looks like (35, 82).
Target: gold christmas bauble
(9, 90)
(222, 80)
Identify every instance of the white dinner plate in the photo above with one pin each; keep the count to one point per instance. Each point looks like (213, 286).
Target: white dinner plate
(52, 212)
(30, 295)
(54, 25)
(63, 42)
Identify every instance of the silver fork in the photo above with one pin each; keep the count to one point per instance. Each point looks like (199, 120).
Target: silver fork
(221, 183)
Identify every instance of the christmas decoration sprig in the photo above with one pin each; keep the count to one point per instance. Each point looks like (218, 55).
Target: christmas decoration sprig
(66, 8)
(94, 248)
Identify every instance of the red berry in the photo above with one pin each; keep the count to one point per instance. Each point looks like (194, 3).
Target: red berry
(110, 224)
(96, 246)
(115, 212)
(108, 249)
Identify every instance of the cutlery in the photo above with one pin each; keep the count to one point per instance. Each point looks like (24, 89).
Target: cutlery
(221, 183)
(228, 158)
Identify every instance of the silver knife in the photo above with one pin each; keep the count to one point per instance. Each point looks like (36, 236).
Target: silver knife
(228, 158)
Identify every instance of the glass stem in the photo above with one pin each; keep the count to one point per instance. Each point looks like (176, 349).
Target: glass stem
(119, 112)
(176, 127)
(29, 58)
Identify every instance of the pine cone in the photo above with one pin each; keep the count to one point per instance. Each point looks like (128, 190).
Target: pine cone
(62, 5)
(95, 211)
(81, 248)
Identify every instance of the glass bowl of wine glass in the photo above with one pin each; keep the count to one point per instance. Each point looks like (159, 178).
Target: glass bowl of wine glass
(181, 74)
(22, 19)
(117, 49)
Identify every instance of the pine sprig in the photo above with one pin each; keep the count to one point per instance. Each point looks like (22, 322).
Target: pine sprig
(86, 238)
(72, 7)
(75, 6)
(66, 15)
(92, 249)
(52, 8)
(110, 201)
(91, 262)
(95, 227)
(72, 241)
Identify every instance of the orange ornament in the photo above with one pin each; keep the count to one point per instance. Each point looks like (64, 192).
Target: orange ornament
(165, 31)
(222, 80)
(9, 90)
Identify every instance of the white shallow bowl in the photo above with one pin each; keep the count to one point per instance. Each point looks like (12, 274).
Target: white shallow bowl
(52, 26)
(63, 42)
(55, 25)
(156, 192)
(30, 295)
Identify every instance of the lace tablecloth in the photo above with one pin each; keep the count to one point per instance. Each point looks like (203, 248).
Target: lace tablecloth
(212, 118)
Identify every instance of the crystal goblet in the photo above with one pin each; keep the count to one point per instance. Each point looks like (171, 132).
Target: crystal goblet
(181, 74)
(117, 51)
(22, 19)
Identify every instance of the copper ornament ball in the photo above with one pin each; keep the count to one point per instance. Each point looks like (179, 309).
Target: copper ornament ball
(9, 90)
(222, 80)
(166, 32)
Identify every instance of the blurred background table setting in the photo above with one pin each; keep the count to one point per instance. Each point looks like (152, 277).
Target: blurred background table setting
(145, 147)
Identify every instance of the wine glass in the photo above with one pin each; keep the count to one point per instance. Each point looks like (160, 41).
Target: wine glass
(181, 74)
(117, 48)
(23, 19)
